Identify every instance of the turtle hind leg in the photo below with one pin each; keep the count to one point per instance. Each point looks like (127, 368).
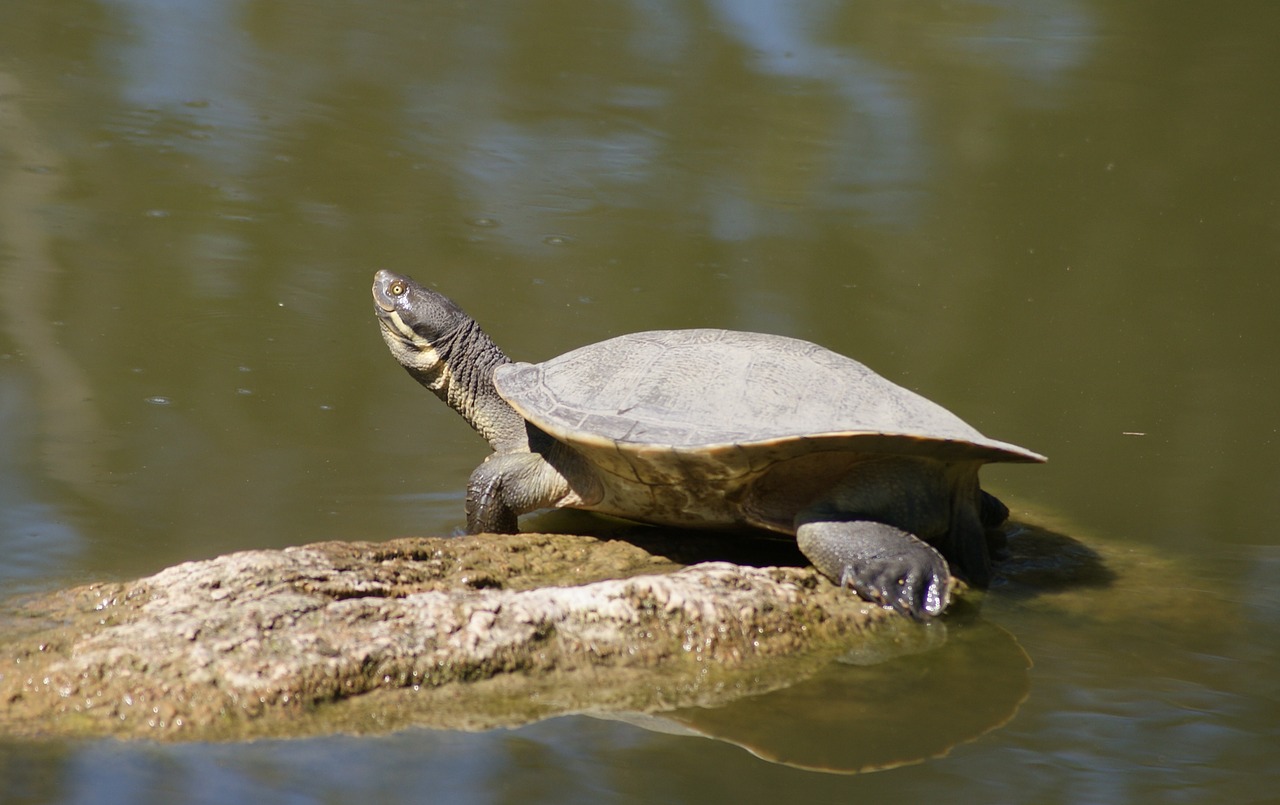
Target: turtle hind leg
(991, 511)
(993, 514)
(880, 563)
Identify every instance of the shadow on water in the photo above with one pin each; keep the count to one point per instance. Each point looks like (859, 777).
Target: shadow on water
(1038, 560)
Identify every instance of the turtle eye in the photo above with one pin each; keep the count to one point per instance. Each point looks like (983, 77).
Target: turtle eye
(397, 288)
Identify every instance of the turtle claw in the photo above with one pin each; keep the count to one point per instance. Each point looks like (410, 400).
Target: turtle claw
(880, 563)
(909, 590)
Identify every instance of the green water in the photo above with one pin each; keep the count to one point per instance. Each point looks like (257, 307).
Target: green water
(1060, 219)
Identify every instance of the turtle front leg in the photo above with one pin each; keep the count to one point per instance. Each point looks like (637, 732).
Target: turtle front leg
(880, 563)
(507, 485)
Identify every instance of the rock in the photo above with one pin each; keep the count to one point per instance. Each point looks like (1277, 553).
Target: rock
(471, 632)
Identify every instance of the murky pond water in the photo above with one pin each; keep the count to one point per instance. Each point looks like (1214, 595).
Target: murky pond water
(1058, 218)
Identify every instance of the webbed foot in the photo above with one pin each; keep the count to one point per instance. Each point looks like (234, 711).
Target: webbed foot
(880, 563)
(487, 511)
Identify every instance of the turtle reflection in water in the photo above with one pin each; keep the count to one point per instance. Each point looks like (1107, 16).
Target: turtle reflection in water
(716, 428)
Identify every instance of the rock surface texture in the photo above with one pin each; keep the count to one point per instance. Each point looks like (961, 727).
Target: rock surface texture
(468, 633)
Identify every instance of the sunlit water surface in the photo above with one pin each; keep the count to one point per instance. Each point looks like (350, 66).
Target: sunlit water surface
(1058, 218)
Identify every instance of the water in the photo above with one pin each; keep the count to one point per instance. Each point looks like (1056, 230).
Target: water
(1056, 218)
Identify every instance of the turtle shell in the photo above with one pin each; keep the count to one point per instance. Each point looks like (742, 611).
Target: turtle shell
(658, 405)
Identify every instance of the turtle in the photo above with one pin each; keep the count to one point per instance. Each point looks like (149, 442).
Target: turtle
(719, 429)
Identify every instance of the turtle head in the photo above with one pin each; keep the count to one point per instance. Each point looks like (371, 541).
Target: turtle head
(418, 324)
(445, 350)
